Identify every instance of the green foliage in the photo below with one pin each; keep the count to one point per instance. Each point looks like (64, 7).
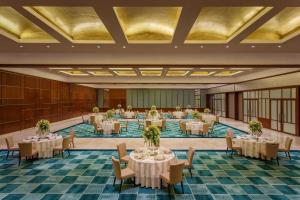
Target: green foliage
(43, 125)
(178, 108)
(129, 107)
(196, 115)
(151, 135)
(95, 109)
(255, 126)
(119, 106)
(153, 113)
(153, 107)
(109, 114)
(206, 110)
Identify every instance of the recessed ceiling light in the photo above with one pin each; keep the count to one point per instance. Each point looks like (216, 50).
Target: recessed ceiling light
(279, 46)
(48, 46)
(201, 46)
(227, 46)
(175, 46)
(98, 46)
(21, 46)
(72, 46)
(124, 47)
(252, 46)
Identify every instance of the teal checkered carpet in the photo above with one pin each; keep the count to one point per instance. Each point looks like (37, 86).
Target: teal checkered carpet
(88, 175)
(172, 131)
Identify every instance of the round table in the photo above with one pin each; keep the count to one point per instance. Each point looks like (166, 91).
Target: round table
(44, 146)
(155, 122)
(129, 114)
(251, 147)
(194, 127)
(148, 170)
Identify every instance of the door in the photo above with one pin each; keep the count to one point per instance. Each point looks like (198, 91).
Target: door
(276, 114)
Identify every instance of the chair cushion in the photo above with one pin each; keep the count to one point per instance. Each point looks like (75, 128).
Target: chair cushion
(127, 173)
(284, 150)
(165, 177)
(125, 159)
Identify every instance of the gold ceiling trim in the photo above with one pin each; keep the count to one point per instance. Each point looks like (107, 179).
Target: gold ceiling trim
(125, 73)
(100, 73)
(177, 73)
(228, 73)
(201, 73)
(280, 28)
(74, 73)
(16, 27)
(151, 73)
(222, 24)
(77, 24)
(148, 24)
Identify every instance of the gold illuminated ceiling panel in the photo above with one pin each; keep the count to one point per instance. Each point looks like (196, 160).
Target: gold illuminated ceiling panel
(151, 73)
(77, 24)
(16, 27)
(282, 27)
(100, 73)
(74, 73)
(222, 24)
(177, 73)
(125, 73)
(148, 24)
(228, 73)
(201, 73)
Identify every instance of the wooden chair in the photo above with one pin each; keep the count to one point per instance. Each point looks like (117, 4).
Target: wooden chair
(271, 152)
(141, 124)
(92, 119)
(117, 128)
(217, 119)
(97, 128)
(27, 151)
(211, 127)
(231, 147)
(205, 129)
(163, 124)
(65, 147)
(287, 147)
(183, 128)
(72, 137)
(124, 126)
(188, 164)
(148, 123)
(10, 146)
(173, 176)
(121, 174)
(122, 151)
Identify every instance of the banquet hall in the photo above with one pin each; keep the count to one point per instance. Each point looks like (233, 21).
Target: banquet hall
(141, 99)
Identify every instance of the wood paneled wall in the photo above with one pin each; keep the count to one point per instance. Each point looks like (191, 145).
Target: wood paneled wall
(26, 99)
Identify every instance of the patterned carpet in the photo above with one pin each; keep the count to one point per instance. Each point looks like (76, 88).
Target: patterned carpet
(172, 131)
(88, 175)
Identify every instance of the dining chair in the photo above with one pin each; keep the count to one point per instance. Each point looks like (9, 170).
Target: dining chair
(124, 126)
(217, 119)
(72, 138)
(182, 125)
(121, 174)
(148, 123)
(271, 152)
(163, 124)
(188, 164)
(11, 147)
(287, 147)
(230, 133)
(64, 147)
(97, 128)
(173, 176)
(92, 119)
(117, 128)
(122, 152)
(27, 151)
(231, 147)
(141, 124)
(211, 127)
(205, 129)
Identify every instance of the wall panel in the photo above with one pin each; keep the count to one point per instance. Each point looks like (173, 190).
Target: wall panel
(26, 99)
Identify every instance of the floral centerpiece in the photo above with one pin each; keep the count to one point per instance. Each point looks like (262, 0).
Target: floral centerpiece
(119, 106)
(95, 109)
(151, 136)
(206, 110)
(129, 108)
(153, 113)
(178, 108)
(255, 128)
(43, 127)
(109, 114)
(196, 115)
(153, 107)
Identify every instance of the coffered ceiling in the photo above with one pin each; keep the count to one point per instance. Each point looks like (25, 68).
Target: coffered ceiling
(147, 32)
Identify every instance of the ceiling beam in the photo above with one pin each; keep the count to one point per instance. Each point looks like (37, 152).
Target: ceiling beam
(41, 24)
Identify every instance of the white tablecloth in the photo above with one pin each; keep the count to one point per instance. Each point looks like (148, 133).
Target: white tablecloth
(45, 146)
(128, 114)
(252, 147)
(147, 171)
(178, 114)
(155, 122)
(194, 126)
(108, 126)
(208, 117)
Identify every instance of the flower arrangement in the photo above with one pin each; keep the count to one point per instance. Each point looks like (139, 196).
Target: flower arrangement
(129, 107)
(206, 110)
(95, 109)
(43, 127)
(109, 114)
(196, 115)
(153, 113)
(178, 108)
(153, 107)
(119, 106)
(151, 136)
(255, 127)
